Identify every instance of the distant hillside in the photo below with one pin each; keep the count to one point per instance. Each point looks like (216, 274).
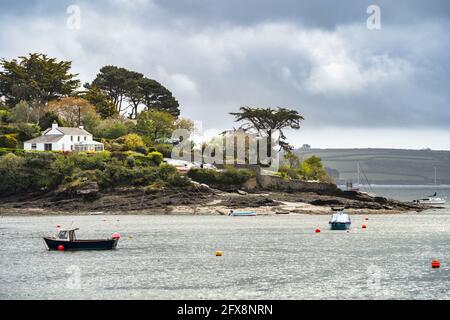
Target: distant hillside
(385, 166)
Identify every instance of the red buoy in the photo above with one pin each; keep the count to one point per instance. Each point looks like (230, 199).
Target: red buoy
(58, 226)
(60, 247)
(364, 226)
(367, 219)
(116, 235)
(435, 264)
(317, 230)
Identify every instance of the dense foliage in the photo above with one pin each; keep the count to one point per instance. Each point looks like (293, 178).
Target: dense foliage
(46, 171)
(227, 177)
(309, 169)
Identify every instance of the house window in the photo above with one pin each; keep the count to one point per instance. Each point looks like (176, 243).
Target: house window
(84, 138)
(71, 138)
(78, 138)
(48, 147)
(33, 146)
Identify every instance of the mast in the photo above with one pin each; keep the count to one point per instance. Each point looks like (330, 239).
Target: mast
(435, 176)
(359, 173)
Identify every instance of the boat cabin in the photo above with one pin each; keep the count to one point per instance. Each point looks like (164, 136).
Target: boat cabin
(67, 235)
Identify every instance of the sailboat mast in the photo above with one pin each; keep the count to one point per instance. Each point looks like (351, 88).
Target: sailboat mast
(359, 173)
(435, 176)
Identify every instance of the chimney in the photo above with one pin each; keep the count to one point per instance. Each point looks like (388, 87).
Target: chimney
(81, 127)
(54, 125)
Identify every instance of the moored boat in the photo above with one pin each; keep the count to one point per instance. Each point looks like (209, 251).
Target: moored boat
(431, 200)
(340, 220)
(242, 214)
(66, 240)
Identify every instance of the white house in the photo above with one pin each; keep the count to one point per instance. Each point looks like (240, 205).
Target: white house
(64, 139)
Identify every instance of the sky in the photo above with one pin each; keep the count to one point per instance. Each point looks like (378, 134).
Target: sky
(355, 86)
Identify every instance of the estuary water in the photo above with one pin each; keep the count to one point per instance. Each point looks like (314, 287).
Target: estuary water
(264, 257)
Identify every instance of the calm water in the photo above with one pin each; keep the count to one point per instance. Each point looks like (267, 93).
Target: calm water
(276, 257)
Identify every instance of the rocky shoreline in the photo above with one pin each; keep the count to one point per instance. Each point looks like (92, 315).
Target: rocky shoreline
(200, 200)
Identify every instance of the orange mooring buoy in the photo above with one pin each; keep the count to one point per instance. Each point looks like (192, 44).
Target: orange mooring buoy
(435, 264)
(218, 253)
(317, 230)
(60, 247)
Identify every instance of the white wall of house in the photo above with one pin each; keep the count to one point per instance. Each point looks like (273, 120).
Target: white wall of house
(41, 146)
(65, 143)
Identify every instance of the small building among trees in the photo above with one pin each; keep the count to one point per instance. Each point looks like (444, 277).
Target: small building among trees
(64, 139)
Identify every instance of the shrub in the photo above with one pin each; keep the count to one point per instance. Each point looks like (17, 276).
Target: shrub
(111, 129)
(9, 140)
(142, 149)
(230, 176)
(156, 157)
(165, 149)
(27, 131)
(288, 172)
(5, 116)
(12, 177)
(208, 176)
(233, 176)
(132, 141)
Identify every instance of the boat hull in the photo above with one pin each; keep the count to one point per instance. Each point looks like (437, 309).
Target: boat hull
(243, 214)
(107, 244)
(339, 226)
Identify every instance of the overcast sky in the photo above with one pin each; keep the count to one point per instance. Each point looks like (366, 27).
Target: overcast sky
(356, 87)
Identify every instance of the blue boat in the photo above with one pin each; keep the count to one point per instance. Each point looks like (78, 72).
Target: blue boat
(242, 214)
(340, 220)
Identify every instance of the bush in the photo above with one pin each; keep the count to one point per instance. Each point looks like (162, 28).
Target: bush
(288, 173)
(233, 176)
(230, 176)
(12, 177)
(111, 129)
(142, 149)
(9, 140)
(5, 116)
(27, 131)
(208, 176)
(156, 157)
(164, 149)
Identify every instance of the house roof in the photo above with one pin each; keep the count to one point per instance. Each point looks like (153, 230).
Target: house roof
(70, 131)
(46, 139)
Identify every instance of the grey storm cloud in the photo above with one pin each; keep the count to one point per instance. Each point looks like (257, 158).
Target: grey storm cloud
(316, 56)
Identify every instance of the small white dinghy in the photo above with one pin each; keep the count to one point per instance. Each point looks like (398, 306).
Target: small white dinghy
(242, 213)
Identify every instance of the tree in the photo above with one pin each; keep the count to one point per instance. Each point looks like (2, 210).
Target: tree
(22, 112)
(11, 173)
(158, 125)
(122, 85)
(48, 118)
(111, 129)
(36, 79)
(156, 96)
(134, 91)
(104, 106)
(73, 111)
(312, 169)
(186, 124)
(266, 121)
(111, 81)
